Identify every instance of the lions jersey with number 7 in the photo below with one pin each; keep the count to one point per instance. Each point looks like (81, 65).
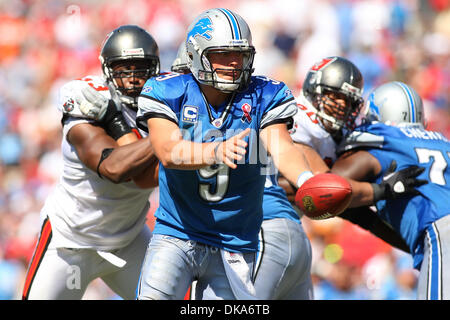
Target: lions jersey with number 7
(215, 205)
(409, 145)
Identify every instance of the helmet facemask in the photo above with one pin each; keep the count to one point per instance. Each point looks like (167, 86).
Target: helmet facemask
(337, 110)
(334, 86)
(134, 73)
(227, 79)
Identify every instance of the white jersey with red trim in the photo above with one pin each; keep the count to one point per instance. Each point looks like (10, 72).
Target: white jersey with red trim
(307, 130)
(85, 210)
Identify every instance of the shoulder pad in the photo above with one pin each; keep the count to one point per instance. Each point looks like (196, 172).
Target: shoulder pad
(168, 85)
(360, 140)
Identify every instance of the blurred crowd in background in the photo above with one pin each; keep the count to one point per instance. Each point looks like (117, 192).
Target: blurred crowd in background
(48, 42)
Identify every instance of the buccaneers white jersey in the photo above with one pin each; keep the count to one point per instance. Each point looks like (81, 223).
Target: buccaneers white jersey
(85, 210)
(307, 130)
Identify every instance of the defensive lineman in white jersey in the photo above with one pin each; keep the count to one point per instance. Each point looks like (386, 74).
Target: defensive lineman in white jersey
(92, 225)
(306, 130)
(329, 104)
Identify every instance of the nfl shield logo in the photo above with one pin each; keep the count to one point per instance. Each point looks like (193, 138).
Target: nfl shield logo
(217, 123)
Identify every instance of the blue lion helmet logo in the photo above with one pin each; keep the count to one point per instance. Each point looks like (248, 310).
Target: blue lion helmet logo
(202, 28)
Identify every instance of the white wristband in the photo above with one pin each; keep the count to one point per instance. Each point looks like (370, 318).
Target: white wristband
(302, 177)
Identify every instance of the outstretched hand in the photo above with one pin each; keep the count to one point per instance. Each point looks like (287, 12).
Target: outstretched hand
(398, 184)
(231, 150)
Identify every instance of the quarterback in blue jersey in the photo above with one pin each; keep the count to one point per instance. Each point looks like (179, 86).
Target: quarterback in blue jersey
(422, 219)
(210, 130)
(282, 270)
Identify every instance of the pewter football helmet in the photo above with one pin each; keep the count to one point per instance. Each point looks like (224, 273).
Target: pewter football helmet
(395, 103)
(129, 43)
(223, 31)
(180, 64)
(338, 75)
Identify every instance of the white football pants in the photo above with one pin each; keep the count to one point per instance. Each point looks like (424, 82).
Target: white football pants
(65, 273)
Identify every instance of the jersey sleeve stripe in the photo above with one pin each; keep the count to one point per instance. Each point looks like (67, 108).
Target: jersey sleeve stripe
(150, 98)
(285, 110)
(149, 104)
(141, 121)
(289, 122)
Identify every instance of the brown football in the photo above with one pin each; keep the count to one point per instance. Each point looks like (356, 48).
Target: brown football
(323, 196)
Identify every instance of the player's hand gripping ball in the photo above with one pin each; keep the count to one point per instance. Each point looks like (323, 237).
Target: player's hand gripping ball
(323, 196)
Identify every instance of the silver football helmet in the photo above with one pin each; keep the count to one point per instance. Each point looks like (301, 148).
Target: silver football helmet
(395, 103)
(180, 64)
(221, 31)
(340, 77)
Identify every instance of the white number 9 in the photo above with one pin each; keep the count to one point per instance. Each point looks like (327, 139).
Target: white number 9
(221, 174)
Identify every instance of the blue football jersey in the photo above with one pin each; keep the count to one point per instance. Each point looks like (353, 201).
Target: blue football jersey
(215, 205)
(409, 145)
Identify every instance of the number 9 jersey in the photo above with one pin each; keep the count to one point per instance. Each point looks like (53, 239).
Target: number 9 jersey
(409, 145)
(215, 205)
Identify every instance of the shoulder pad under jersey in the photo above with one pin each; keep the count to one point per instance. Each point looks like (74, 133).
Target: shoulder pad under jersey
(360, 140)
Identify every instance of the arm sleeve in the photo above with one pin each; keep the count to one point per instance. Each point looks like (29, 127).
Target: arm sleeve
(368, 219)
(280, 109)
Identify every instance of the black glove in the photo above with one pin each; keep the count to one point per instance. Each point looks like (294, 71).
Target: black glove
(398, 184)
(116, 126)
(110, 113)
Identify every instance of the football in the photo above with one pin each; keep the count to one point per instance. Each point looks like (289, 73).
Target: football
(324, 196)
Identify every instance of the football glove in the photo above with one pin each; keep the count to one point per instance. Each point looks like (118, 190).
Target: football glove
(398, 184)
(96, 106)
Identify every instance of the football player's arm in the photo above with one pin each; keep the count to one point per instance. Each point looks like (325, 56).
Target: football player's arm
(175, 152)
(358, 167)
(315, 162)
(371, 221)
(119, 163)
(362, 192)
(136, 161)
(361, 165)
(290, 161)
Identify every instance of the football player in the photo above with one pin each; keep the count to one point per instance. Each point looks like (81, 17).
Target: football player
(180, 63)
(329, 104)
(395, 131)
(211, 179)
(282, 270)
(93, 223)
(210, 130)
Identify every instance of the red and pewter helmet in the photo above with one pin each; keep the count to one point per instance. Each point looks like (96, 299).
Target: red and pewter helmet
(340, 76)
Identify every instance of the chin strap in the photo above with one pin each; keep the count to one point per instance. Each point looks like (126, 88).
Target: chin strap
(130, 102)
